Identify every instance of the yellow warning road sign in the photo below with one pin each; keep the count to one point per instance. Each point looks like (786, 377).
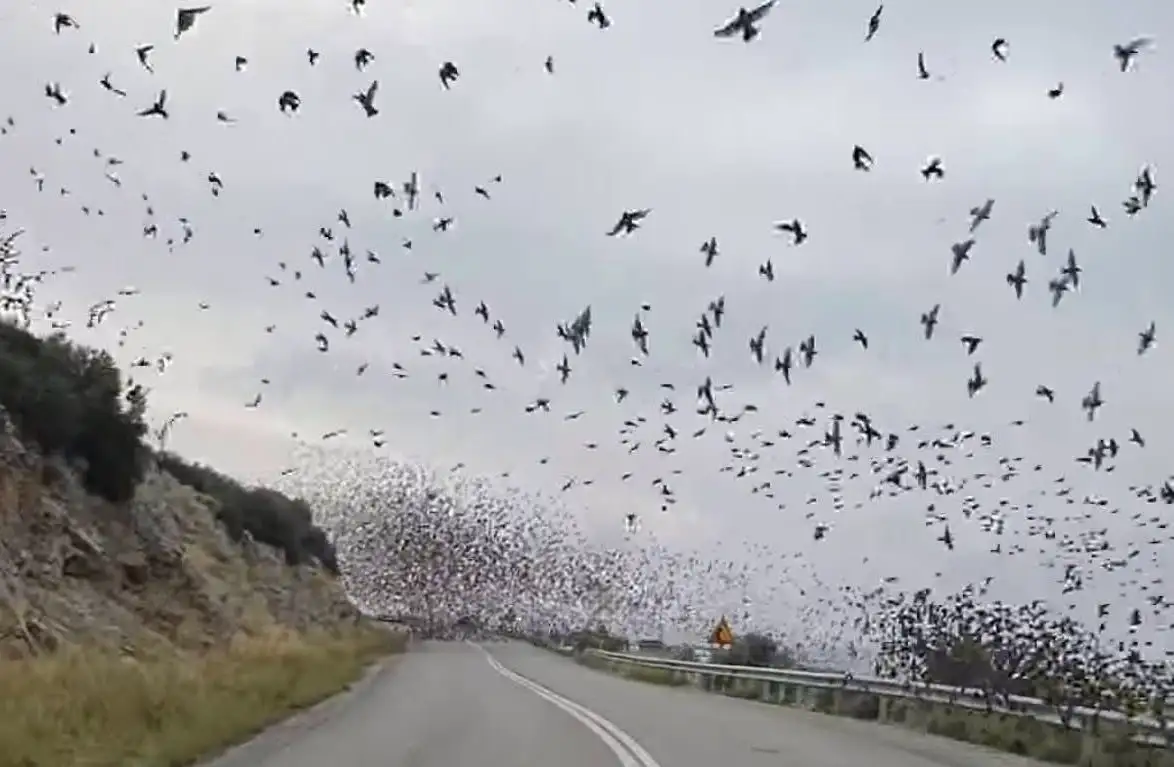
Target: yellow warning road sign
(722, 633)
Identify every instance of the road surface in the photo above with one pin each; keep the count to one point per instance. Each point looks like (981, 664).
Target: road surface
(456, 705)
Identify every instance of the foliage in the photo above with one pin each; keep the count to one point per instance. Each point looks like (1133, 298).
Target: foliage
(594, 638)
(265, 514)
(753, 649)
(68, 400)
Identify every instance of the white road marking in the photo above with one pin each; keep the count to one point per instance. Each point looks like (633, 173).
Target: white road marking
(624, 746)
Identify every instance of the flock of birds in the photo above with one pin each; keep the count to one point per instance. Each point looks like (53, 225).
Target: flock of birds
(450, 545)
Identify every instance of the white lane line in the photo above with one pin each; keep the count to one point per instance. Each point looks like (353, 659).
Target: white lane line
(625, 757)
(624, 746)
(632, 745)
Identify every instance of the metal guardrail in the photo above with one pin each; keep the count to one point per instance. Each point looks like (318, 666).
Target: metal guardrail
(1146, 730)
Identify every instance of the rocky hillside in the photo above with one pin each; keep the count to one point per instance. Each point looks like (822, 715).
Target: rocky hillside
(161, 567)
(101, 541)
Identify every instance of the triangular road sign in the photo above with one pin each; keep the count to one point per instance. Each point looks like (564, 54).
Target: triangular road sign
(722, 634)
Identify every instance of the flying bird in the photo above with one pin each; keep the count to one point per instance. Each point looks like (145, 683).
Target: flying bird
(366, 99)
(874, 23)
(1125, 54)
(745, 22)
(143, 52)
(185, 18)
(158, 108)
(922, 71)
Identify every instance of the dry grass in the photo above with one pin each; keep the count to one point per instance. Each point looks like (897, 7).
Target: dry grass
(92, 708)
(656, 676)
(638, 673)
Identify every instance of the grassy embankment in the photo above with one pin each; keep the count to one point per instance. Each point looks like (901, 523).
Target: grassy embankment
(96, 708)
(638, 673)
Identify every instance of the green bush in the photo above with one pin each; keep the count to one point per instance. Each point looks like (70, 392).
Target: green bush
(266, 515)
(68, 400)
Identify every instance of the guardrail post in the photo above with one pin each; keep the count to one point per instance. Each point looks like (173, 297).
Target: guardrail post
(1088, 748)
(1089, 741)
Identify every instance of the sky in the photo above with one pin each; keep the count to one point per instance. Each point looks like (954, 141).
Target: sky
(719, 139)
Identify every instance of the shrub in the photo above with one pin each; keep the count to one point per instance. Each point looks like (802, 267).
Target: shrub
(597, 638)
(752, 649)
(68, 399)
(267, 515)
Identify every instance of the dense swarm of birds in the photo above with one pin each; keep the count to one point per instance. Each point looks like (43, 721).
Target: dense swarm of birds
(1020, 650)
(446, 548)
(451, 545)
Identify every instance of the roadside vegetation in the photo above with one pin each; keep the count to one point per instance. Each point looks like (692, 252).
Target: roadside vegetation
(71, 401)
(76, 701)
(268, 516)
(100, 709)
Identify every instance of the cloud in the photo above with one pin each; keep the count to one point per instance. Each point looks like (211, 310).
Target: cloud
(718, 139)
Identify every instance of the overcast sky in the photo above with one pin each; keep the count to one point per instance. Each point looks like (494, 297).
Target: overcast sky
(719, 139)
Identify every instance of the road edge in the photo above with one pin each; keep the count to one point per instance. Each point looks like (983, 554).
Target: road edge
(282, 734)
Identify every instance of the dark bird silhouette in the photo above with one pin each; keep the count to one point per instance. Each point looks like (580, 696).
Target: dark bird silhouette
(745, 23)
(185, 18)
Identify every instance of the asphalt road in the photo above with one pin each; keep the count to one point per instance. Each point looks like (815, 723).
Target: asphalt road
(451, 705)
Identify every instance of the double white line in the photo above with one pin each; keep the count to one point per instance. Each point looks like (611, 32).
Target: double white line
(624, 746)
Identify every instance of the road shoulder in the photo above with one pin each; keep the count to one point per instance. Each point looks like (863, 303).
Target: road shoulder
(271, 741)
